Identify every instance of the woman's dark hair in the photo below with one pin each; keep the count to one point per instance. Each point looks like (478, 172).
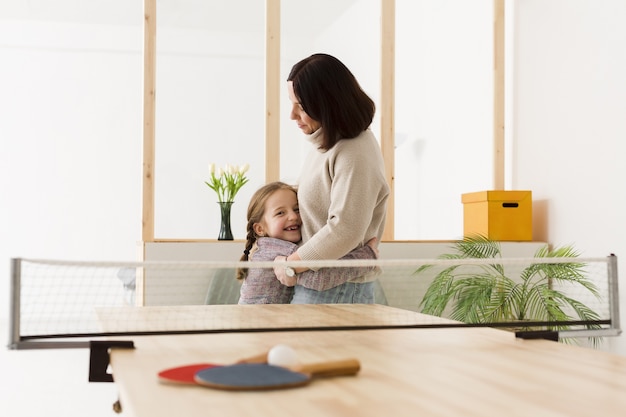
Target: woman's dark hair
(330, 94)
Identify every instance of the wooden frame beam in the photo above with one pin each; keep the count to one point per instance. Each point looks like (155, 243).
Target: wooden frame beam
(272, 90)
(387, 105)
(498, 94)
(149, 86)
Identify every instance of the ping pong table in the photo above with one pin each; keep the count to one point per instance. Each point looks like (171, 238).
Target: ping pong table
(404, 371)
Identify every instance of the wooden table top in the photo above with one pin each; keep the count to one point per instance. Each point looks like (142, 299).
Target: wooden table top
(404, 372)
(268, 316)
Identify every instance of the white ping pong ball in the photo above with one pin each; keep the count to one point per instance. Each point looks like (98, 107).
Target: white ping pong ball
(282, 355)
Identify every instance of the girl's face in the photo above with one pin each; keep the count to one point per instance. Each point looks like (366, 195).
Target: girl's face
(305, 123)
(281, 219)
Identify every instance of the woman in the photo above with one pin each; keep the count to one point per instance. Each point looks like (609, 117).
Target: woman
(342, 189)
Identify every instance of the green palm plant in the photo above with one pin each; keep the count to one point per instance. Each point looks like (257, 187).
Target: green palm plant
(486, 294)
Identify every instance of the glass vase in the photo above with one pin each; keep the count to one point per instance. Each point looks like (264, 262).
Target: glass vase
(225, 231)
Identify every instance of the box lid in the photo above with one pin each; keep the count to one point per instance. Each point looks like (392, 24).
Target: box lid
(513, 195)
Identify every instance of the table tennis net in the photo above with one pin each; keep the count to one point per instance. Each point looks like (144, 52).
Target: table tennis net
(59, 303)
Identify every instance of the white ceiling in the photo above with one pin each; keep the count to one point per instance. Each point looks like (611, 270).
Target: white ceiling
(198, 14)
(123, 12)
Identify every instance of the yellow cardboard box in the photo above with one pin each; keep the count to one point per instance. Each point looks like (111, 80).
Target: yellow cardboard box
(498, 215)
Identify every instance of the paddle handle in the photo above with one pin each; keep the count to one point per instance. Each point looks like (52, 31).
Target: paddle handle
(260, 358)
(331, 368)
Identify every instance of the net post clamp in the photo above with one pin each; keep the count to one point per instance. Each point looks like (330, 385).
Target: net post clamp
(538, 334)
(99, 358)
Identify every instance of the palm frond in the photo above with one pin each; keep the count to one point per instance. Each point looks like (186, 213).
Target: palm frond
(426, 267)
(546, 305)
(471, 296)
(503, 304)
(478, 246)
(438, 294)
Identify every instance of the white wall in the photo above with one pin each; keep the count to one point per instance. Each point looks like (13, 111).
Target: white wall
(70, 134)
(443, 115)
(570, 124)
(70, 182)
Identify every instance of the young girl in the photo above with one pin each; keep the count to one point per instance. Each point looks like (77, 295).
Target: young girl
(274, 229)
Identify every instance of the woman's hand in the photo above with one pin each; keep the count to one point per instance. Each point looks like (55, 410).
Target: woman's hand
(281, 275)
(373, 243)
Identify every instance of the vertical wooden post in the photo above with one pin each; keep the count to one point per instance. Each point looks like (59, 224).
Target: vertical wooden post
(149, 71)
(387, 105)
(498, 94)
(272, 90)
(149, 82)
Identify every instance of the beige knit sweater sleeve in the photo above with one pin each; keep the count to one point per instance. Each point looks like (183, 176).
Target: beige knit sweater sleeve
(342, 194)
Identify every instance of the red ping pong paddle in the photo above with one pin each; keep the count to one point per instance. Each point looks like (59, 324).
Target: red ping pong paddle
(258, 376)
(185, 374)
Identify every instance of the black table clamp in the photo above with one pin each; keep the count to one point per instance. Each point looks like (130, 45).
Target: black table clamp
(99, 358)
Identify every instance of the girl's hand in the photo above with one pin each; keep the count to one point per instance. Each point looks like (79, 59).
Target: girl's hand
(279, 271)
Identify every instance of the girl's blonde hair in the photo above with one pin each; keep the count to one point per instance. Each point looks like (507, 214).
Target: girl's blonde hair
(256, 211)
